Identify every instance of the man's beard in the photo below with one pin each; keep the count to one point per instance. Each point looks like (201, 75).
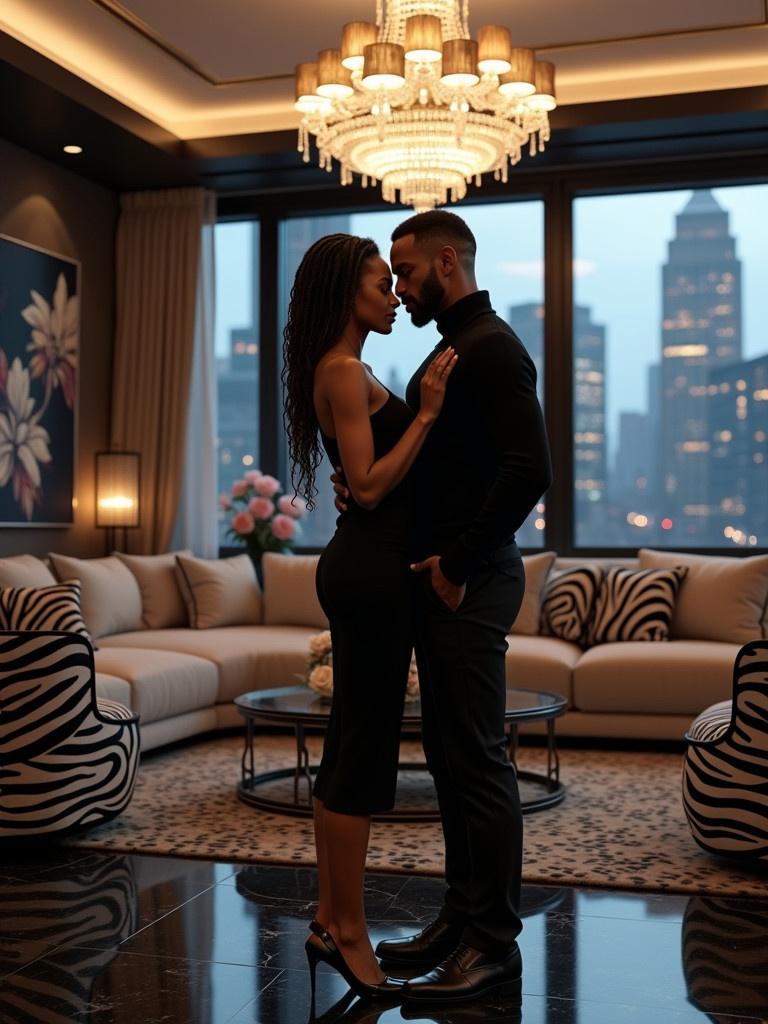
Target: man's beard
(432, 295)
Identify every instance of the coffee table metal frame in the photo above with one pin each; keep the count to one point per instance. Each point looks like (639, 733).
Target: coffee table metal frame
(248, 790)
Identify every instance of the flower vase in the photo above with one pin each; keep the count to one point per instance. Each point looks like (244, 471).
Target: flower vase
(256, 559)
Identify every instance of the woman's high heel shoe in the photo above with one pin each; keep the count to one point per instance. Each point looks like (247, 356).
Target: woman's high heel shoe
(330, 954)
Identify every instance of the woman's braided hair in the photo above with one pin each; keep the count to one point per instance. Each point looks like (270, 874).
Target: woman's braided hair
(320, 306)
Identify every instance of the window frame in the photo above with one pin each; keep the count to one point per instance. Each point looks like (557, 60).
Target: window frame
(557, 187)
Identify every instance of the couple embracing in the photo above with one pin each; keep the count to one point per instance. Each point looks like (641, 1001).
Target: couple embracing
(431, 492)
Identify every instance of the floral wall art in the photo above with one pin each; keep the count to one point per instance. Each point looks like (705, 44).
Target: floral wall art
(39, 343)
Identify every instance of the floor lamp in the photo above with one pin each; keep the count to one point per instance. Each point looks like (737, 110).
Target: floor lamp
(118, 477)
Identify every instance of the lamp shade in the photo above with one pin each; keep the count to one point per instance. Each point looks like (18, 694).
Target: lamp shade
(117, 488)
(519, 81)
(334, 81)
(460, 63)
(544, 96)
(355, 36)
(423, 38)
(493, 49)
(307, 100)
(384, 66)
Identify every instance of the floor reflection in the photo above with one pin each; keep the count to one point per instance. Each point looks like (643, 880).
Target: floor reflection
(126, 940)
(53, 918)
(725, 956)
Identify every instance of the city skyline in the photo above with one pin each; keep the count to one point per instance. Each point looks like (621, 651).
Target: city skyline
(626, 299)
(619, 248)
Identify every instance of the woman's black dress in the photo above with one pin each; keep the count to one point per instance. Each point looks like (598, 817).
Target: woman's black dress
(365, 587)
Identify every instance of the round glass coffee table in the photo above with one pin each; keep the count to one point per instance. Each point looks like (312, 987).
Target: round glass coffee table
(301, 708)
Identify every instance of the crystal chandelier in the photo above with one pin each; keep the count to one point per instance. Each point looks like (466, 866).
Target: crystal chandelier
(414, 103)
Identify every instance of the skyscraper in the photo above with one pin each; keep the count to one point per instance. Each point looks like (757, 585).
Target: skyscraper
(737, 401)
(589, 432)
(701, 330)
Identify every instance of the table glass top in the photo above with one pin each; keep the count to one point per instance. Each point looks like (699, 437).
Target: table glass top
(299, 702)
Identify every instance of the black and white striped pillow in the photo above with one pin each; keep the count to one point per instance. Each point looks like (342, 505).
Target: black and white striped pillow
(569, 601)
(635, 604)
(42, 608)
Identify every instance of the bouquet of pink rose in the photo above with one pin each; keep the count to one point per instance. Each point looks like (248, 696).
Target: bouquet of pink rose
(319, 673)
(261, 515)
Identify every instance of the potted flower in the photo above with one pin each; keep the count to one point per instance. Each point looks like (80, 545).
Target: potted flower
(261, 516)
(319, 672)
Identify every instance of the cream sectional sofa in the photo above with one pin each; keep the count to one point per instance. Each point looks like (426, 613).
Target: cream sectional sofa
(182, 681)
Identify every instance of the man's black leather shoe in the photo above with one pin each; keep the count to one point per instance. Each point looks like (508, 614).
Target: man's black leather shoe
(465, 975)
(432, 944)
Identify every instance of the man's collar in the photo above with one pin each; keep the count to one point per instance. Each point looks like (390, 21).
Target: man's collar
(461, 312)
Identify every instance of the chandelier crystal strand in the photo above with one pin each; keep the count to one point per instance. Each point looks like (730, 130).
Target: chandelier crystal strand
(424, 123)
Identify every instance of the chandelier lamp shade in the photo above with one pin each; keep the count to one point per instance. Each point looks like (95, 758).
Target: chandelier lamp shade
(416, 104)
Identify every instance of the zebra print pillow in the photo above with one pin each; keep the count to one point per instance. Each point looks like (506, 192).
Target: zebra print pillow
(635, 604)
(44, 608)
(569, 601)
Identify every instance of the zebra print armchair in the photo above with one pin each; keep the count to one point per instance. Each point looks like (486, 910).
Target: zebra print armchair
(725, 775)
(67, 759)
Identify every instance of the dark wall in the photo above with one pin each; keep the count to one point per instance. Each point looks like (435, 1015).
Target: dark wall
(63, 212)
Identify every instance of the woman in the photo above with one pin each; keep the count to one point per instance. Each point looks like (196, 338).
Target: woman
(342, 291)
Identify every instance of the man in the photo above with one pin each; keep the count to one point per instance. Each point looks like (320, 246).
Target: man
(481, 471)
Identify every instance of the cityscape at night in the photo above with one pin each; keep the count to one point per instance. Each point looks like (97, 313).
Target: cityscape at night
(690, 469)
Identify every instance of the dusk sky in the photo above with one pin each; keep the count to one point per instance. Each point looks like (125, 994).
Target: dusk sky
(620, 246)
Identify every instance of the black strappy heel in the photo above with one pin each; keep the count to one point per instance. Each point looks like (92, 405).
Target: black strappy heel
(330, 954)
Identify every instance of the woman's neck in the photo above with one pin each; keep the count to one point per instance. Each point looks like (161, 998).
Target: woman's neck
(352, 339)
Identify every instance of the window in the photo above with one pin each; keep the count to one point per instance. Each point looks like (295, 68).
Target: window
(237, 353)
(510, 265)
(670, 369)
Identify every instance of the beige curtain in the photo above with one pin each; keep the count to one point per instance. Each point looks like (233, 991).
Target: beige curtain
(158, 258)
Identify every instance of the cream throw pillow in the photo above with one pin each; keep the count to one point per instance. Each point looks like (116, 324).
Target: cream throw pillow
(25, 571)
(219, 591)
(721, 598)
(162, 602)
(290, 595)
(110, 598)
(537, 569)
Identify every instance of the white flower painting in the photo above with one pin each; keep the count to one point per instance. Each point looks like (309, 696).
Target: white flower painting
(39, 345)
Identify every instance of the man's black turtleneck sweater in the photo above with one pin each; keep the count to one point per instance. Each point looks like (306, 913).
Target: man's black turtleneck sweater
(486, 460)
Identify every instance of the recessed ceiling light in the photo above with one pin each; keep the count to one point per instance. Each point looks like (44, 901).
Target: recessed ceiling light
(73, 149)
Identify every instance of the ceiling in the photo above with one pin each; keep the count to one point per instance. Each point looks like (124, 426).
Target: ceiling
(203, 69)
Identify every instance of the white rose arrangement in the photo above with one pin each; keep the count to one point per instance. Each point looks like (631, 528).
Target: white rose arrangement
(319, 673)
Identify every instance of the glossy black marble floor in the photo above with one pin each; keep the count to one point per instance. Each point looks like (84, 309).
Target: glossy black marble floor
(155, 940)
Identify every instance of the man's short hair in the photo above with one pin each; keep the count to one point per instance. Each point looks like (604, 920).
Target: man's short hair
(439, 227)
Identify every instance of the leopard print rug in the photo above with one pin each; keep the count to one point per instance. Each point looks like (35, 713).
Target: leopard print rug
(621, 825)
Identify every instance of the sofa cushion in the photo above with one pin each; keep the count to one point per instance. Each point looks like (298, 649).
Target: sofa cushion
(722, 598)
(247, 657)
(163, 683)
(56, 607)
(536, 571)
(162, 604)
(113, 688)
(680, 677)
(569, 601)
(563, 562)
(25, 571)
(634, 604)
(110, 598)
(290, 596)
(219, 591)
(541, 663)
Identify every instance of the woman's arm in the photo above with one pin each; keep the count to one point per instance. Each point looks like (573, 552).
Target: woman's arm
(345, 386)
